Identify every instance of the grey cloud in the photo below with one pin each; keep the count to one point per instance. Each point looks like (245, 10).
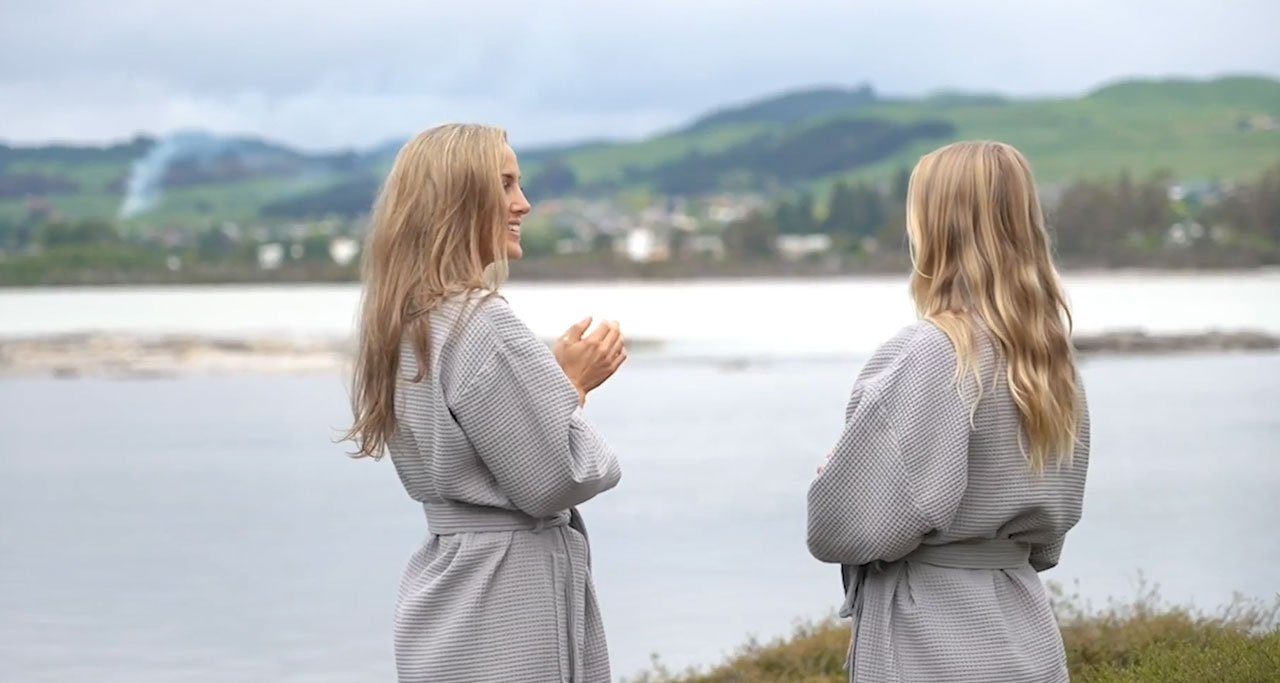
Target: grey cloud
(329, 74)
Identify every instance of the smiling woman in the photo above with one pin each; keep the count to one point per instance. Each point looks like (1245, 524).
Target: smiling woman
(483, 422)
(518, 205)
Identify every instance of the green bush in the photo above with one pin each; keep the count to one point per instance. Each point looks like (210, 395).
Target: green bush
(1224, 659)
(813, 654)
(1147, 640)
(1142, 641)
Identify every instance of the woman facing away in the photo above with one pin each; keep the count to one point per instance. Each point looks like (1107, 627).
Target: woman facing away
(962, 463)
(483, 423)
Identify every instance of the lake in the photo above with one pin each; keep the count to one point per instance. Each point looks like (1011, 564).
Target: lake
(207, 528)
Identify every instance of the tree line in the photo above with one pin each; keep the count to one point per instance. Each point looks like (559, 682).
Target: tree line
(1120, 220)
(1114, 222)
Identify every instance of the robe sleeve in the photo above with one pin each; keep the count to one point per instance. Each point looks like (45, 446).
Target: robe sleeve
(1044, 556)
(521, 414)
(900, 466)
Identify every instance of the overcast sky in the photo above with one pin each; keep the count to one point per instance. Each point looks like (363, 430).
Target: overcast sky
(323, 75)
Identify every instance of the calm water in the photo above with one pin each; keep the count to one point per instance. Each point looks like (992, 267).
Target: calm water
(206, 529)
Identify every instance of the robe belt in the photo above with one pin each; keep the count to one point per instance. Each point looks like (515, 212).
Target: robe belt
(996, 553)
(451, 517)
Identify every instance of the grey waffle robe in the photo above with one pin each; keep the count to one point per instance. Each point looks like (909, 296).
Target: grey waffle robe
(493, 443)
(938, 523)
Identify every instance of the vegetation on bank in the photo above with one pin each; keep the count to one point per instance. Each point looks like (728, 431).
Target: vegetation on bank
(1118, 221)
(1144, 641)
(854, 228)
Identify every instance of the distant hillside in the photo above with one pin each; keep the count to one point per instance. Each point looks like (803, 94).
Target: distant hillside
(1249, 92)
(791, 155)
(1194, 129)
(788, 108)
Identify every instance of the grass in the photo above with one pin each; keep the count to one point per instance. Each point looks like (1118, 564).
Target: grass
(1142, 641)
(93, 177)
(609, 161)
(95, 198)
(229, 201)
(1087, 138)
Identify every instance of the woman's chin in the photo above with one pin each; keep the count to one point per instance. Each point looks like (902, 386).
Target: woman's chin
(514, 251)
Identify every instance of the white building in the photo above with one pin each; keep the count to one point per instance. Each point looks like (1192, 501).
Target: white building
(796, 247)
(270, 255)
(642, 244)
(343, 250)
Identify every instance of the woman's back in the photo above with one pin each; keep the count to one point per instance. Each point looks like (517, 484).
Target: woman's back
(962, 462)
(1003, 496)
(929, 503)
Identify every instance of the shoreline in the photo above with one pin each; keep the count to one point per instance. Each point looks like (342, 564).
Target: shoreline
(519, 280)
(131, 355)
(544, 273)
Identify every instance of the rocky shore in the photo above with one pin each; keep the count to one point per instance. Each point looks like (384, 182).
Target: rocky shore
(1137, 341)
(127, 355)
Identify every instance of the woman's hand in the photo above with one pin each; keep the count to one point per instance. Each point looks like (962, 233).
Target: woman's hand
(589, 361)
(823, 466)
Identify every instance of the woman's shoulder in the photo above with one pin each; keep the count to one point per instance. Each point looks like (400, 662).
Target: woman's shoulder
(487, 319)
(493, 315)
(922, 338)
(475, 332)
(917, 353)
(922, 343)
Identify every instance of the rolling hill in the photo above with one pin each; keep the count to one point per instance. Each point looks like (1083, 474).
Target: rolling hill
(1194, 129)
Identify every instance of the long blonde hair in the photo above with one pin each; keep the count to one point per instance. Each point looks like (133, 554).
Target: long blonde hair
(438, 230)
(981, 254)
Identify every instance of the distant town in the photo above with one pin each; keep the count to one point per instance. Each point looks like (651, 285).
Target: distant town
(856, 228)
(1172, 173)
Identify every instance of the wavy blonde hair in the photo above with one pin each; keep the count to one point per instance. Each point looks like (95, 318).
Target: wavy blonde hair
(438, 230)
(981, 254)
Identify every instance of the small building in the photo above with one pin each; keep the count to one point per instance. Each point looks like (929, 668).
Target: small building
(706, 245)
(643, 244)
(572, 245)
(270, 255)
(343, 250)
(797, 247)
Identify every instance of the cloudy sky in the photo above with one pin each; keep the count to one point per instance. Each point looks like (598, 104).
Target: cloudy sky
(324, 75)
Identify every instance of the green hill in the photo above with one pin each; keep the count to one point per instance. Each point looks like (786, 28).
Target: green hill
(788, 108)
(1194, 129)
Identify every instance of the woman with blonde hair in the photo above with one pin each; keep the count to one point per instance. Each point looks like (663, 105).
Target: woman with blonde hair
(483, 423)
(962, 462)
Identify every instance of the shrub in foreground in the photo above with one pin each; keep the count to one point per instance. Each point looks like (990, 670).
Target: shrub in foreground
(1142, 641)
